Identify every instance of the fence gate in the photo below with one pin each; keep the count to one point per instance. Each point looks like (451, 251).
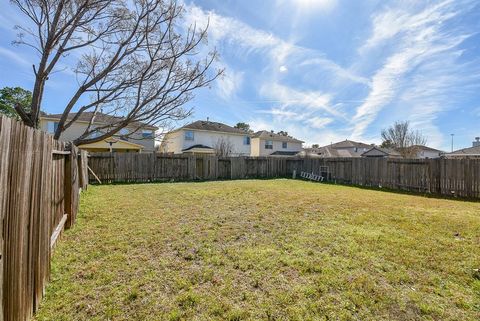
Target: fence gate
(199, 168)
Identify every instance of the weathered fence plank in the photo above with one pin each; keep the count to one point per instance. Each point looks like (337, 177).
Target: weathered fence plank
(32, 204)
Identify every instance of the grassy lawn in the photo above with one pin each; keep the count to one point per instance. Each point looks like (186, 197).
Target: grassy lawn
(268, 250)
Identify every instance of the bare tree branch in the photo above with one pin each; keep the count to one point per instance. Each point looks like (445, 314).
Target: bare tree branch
(400, 137)
(138, 61)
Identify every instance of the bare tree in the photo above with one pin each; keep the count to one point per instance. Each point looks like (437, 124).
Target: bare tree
(400, 137)
(137, 61)
(223, 147)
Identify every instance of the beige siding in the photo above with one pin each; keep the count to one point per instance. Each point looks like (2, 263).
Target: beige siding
(78, 128)
(258, 147)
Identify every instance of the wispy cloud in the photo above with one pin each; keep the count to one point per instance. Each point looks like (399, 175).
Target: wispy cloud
(14, 56)
(229, 83)
(422, 65)
(308, 5)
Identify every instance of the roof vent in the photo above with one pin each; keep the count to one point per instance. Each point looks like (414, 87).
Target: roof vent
(476, 143)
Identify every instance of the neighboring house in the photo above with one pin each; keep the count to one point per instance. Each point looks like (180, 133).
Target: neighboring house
(138, 140)
(420, 151)
(207, 137)
(381, 153)
(265, 143)
(471, 152)
(346, 148)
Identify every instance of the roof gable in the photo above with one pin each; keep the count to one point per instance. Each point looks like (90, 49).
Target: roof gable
(466, 151)
(348, 143)
(266, 135)
(214, 127)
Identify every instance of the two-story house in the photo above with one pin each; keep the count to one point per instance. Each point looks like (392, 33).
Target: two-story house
(265, 143)
(344, 148)
(207, 137)
(129, 139)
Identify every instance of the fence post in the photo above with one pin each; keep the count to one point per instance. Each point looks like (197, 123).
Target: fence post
(71, 186)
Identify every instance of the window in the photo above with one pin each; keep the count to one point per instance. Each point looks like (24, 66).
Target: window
(284, 144)
(52, 126)
(268, 144)
(147, 133)
(95, 134)
(189, 135)
(123, 132)
(246, 140)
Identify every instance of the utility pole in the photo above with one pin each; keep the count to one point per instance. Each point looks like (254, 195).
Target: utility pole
(452, 141)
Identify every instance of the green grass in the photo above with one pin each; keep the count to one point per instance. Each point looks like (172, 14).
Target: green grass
(268, 250)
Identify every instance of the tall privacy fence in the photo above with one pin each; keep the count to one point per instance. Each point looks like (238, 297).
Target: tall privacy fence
(40, 179)
(459, 177)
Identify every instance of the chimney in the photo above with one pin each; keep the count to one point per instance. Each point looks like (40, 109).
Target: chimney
(476, 143)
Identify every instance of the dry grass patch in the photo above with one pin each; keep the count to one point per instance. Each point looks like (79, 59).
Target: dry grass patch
(271, 250)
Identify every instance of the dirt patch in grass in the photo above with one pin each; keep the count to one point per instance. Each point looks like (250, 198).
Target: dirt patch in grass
(270, 250)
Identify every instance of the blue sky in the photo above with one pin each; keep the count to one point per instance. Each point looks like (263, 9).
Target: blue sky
(323, 70)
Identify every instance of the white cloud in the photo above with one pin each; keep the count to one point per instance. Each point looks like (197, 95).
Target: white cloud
(229, 83)
(424, 54)
(297, 99)
(14, 56)
(319, 122)
(336, 69)
(309, 5)
(283, 68)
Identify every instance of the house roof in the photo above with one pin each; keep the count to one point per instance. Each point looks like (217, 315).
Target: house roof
(116, 144)
(472, 151)
(198, 146)
(328, 151)
(99, 118)
(263, 134)
(283, 153)
(386, 151)
(426, 148)
(348, 143)
(214, 126)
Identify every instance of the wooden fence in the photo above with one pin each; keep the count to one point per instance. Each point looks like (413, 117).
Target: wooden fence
(40, 179)
(459, 177)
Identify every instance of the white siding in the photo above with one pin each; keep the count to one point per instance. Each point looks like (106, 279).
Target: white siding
(175, 142)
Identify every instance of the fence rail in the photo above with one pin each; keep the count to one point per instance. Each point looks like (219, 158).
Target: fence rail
(460, 177)
(40, 180)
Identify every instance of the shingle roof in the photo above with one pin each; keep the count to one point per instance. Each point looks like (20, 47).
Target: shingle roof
(465, 151)
(214, 126)
(423, 147)
(386, 151)
(263, 134)
(283, 153)
(328, 151)
(197, 146)
(99, 118)
(348, 143)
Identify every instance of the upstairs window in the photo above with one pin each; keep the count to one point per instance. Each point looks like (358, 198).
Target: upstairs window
(123, 132)
(268, 144)
(284, 144)
(189, 135)
(246, 140)
(52, 126)
(147, 133)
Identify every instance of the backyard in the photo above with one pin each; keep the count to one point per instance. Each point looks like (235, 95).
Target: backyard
(265, 249)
